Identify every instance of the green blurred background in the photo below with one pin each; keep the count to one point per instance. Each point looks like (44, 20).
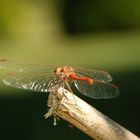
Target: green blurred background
(94, 34)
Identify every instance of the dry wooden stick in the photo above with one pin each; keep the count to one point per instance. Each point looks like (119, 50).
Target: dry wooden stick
(85, 117)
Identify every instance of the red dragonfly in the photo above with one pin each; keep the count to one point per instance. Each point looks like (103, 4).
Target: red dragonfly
(42, 78)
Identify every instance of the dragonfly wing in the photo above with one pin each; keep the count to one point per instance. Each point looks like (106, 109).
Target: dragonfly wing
(34, 82)
(97, 90)
(26, 75)
(19, 66)
(95, 74)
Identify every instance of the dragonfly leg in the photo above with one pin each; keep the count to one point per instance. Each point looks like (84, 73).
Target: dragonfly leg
(53, 102)
(69, 88)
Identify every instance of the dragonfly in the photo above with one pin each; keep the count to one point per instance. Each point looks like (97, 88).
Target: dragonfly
(43, 78)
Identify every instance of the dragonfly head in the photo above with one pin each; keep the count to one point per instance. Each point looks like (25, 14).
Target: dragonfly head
(62, 73)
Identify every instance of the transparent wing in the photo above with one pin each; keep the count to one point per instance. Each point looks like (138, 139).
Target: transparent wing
(34, 82)
(95, 74)
(27, 75)
(19, 66)
(97, 90)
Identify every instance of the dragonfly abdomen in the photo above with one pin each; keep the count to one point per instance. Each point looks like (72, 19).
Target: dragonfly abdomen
(73, 76)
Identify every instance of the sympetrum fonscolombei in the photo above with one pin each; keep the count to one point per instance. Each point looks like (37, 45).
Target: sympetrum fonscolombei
(42, 78)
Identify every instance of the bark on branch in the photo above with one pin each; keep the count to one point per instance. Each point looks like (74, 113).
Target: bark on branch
(69, 107)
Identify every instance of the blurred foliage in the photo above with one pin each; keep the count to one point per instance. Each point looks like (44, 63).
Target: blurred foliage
(77, 16)
(9, 14)
(98, 15)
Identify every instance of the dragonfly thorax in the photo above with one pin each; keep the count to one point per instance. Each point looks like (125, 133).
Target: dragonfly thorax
(63, 73)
